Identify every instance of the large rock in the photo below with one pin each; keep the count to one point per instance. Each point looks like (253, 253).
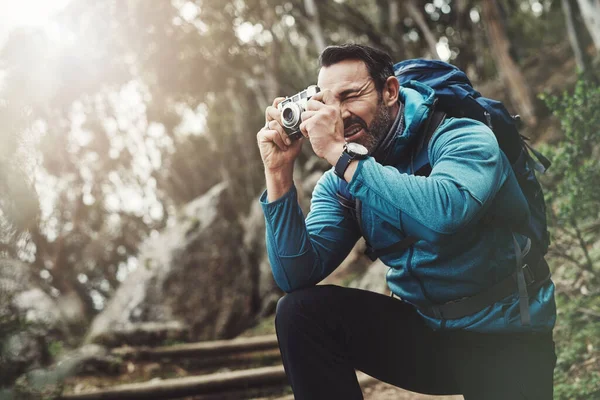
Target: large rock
(373, 279)
(203, 271)
(267, 293)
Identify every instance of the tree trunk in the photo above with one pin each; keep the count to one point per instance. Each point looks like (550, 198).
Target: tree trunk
(384, 18)
(572, 34)
(391, 26)
(465, 29)
(395, 28)
(590, 11)
(570, 9)
(508, 70)
(273, 70)
(314, 26)
(417, 15)
(272, 64)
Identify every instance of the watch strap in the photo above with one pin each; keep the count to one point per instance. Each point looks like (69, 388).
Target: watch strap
(343, 162)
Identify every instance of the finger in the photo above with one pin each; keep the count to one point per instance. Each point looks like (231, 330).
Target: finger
(277, 101)
(304, 129)
(325, 96)
(306, 115)
(270, 135)
(274, 105)
(273, 114)
(317, 96)
(274, 125)
(314, 105)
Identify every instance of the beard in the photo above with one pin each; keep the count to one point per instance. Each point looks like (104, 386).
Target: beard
(377, 129)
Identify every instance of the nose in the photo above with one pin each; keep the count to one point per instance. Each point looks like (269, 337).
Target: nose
(345, 113)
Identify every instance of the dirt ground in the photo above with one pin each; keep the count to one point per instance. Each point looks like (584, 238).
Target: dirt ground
(383, 391)
(376, 390)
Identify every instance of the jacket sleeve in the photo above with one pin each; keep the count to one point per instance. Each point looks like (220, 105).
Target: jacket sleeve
(302, 253)
(468, 169)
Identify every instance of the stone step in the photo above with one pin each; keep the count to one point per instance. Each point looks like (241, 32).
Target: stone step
(188, 386)
(200, 349)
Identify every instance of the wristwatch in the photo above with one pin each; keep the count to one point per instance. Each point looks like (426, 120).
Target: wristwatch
(352, 151)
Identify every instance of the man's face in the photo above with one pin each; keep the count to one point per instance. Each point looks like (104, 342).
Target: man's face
(366, 117)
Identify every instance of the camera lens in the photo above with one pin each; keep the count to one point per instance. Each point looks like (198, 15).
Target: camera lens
(288, 115)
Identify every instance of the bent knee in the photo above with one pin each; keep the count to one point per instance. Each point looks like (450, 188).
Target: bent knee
(303, 301)
(289, 303)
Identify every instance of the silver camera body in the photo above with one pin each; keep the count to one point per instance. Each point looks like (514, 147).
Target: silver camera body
(292, 107)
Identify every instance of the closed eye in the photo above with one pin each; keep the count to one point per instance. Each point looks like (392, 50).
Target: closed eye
(346, 94)
(350, 97)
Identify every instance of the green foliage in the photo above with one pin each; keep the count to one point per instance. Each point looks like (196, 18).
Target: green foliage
(576, 172)
(11, 324)
(572, 192)
(577, 336)
(573, 182)
(55, 348)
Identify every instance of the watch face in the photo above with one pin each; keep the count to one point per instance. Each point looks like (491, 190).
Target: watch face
(356, 148)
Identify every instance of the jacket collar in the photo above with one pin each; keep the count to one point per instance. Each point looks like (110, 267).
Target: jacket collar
(417, 100)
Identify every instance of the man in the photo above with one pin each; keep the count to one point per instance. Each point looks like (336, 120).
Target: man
(326, 332)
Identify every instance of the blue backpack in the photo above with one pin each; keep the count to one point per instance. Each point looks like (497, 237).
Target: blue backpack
(457, 98)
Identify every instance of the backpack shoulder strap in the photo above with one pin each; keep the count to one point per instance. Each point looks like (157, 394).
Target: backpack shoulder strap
(433, 123)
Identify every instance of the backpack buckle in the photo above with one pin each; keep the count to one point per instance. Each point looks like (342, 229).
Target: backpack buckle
(528, 274)
(488, 119)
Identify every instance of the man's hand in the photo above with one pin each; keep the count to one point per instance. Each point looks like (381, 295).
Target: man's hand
(278, 153)
(322, 124)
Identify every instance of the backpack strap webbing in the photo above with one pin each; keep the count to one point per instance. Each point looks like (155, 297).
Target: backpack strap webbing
(432, 123)
(521, 282)
(531, 274)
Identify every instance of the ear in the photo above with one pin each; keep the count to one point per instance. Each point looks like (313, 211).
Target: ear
(390, 91)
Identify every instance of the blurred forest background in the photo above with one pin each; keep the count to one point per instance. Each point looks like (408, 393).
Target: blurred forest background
(129, 173)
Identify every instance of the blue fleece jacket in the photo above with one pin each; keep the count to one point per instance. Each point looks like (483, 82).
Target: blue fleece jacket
(459, 255)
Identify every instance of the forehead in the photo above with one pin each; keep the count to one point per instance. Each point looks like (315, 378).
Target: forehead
(344, 75)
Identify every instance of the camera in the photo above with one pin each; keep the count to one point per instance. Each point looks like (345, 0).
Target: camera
(292, 107)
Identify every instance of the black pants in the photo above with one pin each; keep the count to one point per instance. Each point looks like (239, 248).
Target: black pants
(326, 332)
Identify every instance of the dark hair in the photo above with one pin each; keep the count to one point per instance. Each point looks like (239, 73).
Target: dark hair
(379, 63)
